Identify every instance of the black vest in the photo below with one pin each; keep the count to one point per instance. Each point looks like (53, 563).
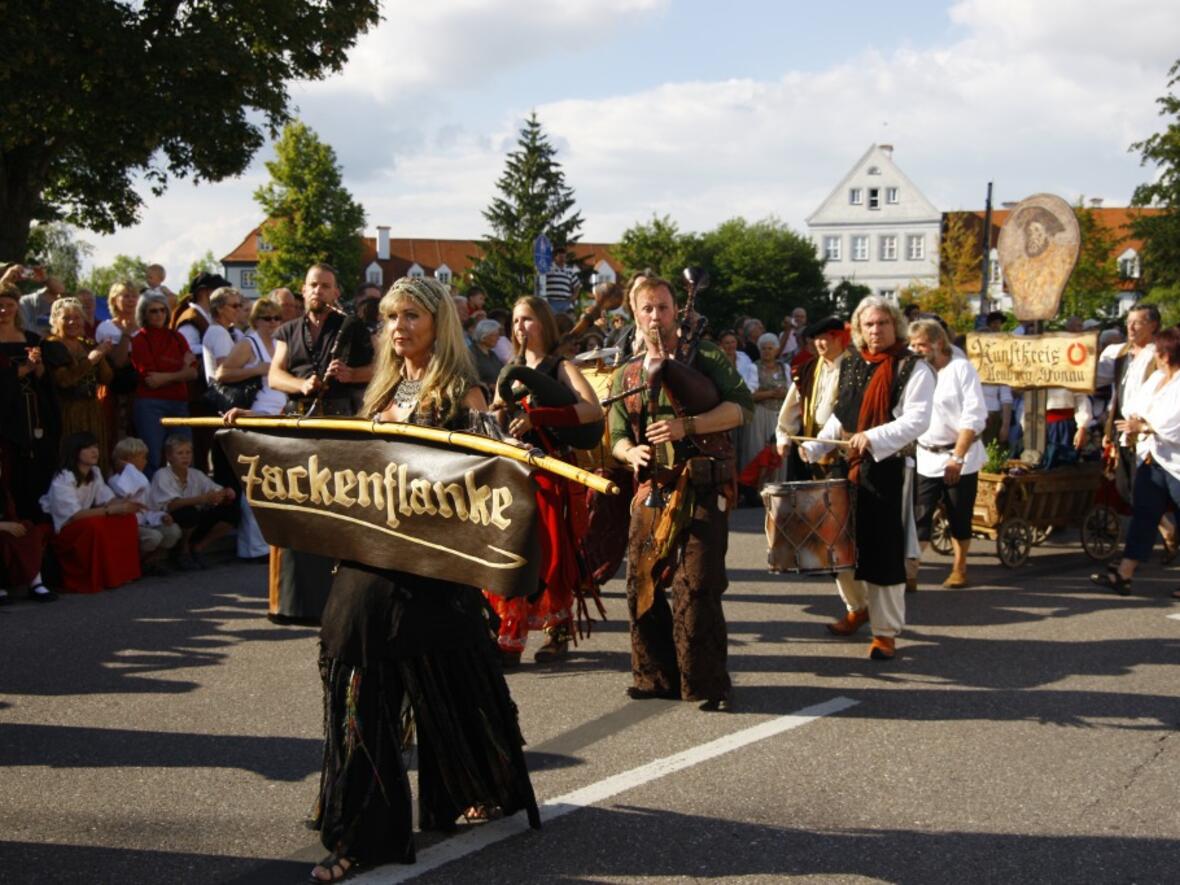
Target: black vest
(855, 372)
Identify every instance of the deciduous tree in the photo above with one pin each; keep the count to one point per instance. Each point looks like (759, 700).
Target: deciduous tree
(310, 215)
(105, 98)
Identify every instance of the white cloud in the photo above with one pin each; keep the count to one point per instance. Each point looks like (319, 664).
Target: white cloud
(419, 47)
(1037, 97)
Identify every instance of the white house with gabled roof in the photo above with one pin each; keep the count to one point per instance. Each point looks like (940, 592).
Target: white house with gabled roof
(876, 228)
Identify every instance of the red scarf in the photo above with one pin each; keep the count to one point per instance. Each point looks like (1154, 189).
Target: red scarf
(874, 407)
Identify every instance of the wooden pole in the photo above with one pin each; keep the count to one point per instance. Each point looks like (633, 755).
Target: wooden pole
(469, 441)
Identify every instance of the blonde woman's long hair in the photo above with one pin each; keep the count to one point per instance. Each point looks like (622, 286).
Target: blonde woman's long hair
(451, 372)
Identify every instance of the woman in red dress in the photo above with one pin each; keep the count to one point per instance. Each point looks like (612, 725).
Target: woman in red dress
(535, 337)
(97, 536)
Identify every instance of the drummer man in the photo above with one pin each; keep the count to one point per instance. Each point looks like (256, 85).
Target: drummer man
(883, 404)
(812, 397)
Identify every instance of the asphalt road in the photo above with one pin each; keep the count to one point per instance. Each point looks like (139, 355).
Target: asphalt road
(166, 732)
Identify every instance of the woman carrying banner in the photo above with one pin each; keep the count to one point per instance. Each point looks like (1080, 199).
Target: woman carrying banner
(535, 337)
(391, 640)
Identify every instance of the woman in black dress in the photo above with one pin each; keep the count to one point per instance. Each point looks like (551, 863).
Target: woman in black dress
(30, 427)
(392, 640)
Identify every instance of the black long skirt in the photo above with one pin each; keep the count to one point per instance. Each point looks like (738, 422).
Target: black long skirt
(392, 643)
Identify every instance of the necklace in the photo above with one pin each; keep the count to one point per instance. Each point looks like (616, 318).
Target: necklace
(406, 394)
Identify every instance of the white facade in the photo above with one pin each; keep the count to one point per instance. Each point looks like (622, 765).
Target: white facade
(876, 229)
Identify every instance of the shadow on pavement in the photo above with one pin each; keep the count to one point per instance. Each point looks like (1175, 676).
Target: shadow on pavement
(64, 746)
(129, 640)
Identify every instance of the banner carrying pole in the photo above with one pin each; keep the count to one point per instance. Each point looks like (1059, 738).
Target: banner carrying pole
(470, 441)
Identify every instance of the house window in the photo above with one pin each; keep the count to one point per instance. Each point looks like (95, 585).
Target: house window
(891, 195)
(993, 270)
(856, 196)
(915, 249)
(416, 271)
(443, 276)
(373, 274)
(874, 198)
(1129, 266)
(886, 293)
(248, 279)
(832, 248)
(889, 247)
(874, 170)
(263, 245)
(860, 247)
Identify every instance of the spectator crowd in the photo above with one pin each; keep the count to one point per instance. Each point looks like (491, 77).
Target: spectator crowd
(89, 474)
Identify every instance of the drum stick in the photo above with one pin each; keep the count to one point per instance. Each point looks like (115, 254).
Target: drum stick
(830, 442)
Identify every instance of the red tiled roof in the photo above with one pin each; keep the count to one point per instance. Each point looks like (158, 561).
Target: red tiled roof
(1116, 219)
(458, 255)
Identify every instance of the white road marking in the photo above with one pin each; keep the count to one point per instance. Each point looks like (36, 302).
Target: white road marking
(482, 836)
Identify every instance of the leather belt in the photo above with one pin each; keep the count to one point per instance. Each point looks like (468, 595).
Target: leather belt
(938, 450)
(702, 471)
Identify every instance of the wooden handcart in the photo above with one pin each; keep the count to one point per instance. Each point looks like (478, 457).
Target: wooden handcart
(1018, 509)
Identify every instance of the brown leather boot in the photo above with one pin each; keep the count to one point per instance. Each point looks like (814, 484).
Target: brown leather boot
(882, 648)
(850, 623)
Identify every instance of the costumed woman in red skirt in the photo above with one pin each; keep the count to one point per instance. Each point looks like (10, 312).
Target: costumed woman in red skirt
(552, 608)
(96, 538)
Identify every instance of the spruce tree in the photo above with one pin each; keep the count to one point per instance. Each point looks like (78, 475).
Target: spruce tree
(310, 215)
(533, 199)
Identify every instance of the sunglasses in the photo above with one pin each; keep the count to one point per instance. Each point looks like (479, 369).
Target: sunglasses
(269, 319)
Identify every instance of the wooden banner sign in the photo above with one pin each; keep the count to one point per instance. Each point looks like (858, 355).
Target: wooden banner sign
(414, 506)
(1057, 359)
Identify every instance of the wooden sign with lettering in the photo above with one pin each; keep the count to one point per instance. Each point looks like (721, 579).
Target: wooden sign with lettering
(1057, 359)
(412, 506)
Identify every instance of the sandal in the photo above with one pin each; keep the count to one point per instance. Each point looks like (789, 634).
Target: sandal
(40, 593)
(331, 864)
(482, 813)
(1112, 580)
(1171, 548)
(551, 651)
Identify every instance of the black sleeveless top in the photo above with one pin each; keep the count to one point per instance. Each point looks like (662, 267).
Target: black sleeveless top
(855, 372)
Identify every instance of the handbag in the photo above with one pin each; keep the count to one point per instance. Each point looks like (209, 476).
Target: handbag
(226, 395)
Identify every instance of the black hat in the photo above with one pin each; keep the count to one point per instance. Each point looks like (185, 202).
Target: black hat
(206, 280)
(821, 327)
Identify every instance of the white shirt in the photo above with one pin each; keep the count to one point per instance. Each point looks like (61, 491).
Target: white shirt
(166, 486)
(1060, 398)
(215, 347)
(190, 332)
(747, 369)
(268, 401)
(131, 485)
(66, 497)
(1161, 410)
(957, 405)
(996, 396)
(108, 331)
(911, 417)
(790, 416)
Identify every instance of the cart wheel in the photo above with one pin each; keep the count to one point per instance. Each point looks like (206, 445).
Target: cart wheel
(1100, 532)
(1013, 541)
(940, 532)
(1040, 535)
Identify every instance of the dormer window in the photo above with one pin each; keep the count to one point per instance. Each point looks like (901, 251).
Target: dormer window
(443, 275)
(416, 271)
(856, 196)
(1129, 265)
(373, 274)
(874, 170)
(874, 198)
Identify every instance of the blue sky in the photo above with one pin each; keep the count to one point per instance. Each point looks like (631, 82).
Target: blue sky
(706, 111)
